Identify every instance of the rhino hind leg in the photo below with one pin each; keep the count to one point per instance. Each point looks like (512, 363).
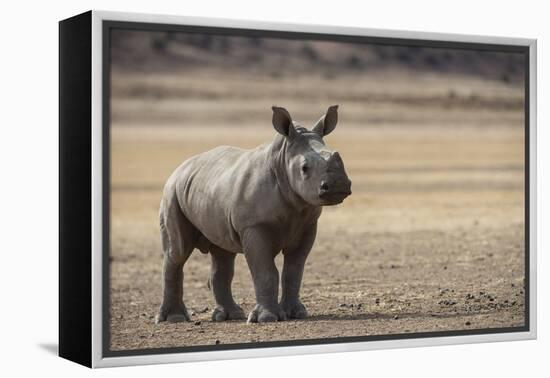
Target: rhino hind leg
(221, 276)
(177, 237)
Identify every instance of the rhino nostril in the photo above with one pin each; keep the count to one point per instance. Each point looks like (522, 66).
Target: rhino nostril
(324, 186)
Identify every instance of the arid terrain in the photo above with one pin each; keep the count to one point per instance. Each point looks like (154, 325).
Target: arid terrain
(431, 239)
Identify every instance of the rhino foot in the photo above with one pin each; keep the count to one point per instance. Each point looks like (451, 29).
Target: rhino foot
(294, 309)
(263, 314)
(175, 314)
(222, 313)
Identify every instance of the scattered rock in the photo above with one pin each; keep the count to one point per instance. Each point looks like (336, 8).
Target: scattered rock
(217, 342)
(198, 322)
(447, 302)
(396, 317)
(468, 323)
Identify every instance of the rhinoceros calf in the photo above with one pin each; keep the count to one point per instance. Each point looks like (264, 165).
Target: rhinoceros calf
(257, 202)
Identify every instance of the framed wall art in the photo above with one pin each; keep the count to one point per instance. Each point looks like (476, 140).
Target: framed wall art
(232, 189)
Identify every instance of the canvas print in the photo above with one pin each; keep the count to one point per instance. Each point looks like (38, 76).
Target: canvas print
(270, 189)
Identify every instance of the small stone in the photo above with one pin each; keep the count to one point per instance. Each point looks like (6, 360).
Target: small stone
(396, 317)
(198, 322)
(377, 300)
(217, 342)
(467, 323)
(193, 313)
(343, 305)
(445, 267)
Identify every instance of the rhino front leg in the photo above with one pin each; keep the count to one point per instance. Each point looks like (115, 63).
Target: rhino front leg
(221, 276)
(293, 269)
(260, 248)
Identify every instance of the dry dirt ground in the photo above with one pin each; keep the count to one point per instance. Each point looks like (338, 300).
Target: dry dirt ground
(432, 238)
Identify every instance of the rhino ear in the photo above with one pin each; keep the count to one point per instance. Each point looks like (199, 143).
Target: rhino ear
(328, 122)
(282, 122)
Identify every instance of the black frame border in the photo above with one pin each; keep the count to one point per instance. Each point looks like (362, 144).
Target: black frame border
(75, 188)
(108, 25)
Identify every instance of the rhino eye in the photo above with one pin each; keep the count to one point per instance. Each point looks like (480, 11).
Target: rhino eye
(305, 168)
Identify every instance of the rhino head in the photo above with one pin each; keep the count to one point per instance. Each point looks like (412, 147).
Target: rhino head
(314, 171)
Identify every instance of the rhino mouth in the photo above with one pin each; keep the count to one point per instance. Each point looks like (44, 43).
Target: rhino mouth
(334, 198)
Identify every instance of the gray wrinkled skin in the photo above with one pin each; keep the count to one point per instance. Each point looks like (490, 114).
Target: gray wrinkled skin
(257, 202)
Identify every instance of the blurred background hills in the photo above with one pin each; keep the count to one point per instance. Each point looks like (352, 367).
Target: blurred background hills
(193, 79)
(146, 51)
